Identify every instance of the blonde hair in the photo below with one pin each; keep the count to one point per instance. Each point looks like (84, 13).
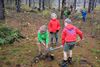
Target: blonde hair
(67, 20)
(53, 16)
(43, 28)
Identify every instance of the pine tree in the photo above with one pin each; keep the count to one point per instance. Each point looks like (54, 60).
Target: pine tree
(2, 16)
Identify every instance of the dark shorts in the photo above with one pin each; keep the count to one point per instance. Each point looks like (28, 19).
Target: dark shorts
(69, 46)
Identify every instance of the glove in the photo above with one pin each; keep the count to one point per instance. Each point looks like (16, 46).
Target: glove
(51, 32)
(57, 31)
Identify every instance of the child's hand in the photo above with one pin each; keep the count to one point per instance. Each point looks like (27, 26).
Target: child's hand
(43, 44)
(78, 41)
(46, 46)
(62, 46)
(51, 32)
(83, 39)
(57, 31)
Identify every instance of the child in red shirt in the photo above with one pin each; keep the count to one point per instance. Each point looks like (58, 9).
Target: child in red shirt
(54, 27)
(69, 36)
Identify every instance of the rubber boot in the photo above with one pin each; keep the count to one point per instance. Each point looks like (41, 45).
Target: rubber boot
(70, 60)
(64, 63)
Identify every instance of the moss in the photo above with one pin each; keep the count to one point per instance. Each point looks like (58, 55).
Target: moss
(95, 51)
(2, 58)
(97, 8)
(25, 7)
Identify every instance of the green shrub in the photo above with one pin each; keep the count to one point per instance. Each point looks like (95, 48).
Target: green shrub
(25, 7)
(77, 16)
(97, 8)
(46, 13)
(97, 51)
(9, 35)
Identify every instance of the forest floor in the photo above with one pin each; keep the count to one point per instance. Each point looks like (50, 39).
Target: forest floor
(20, 54)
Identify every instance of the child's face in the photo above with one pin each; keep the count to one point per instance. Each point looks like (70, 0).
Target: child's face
(42, 32)
(65, 23)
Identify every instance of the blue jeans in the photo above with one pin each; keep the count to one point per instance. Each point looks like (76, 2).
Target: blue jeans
(54, 35)
(84, 19)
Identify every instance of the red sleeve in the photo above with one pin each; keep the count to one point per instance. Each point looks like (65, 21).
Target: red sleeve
(79, 33)
(49, 26)
(58, 25)
(63, 37)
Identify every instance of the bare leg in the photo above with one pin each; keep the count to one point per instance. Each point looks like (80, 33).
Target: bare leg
(65, 55)
(70, 53)
(70, 57)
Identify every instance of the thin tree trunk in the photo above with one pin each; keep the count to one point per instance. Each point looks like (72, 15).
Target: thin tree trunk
(18, 4)
(99, 1)
(75, 4)
(26, 2)
(2, 17)
(84, 3)
(39, 5)
(33, 6)
(43, 4)
(63, 5)
(49, 4)
(89, 7)
(59, 5)
(10, 2)
(93, 2)
(29, 3)
(6, 1)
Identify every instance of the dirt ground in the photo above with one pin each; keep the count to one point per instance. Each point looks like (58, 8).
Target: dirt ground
(20, 54)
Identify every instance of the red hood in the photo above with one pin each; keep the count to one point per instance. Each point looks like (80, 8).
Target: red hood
(69, 34)
(54, 19)
(69, 26)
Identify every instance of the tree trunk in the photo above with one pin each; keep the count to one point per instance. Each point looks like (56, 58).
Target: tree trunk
(49, 4)
(33, 6)
(18, 4)
(89, 7)
(43, 6)
(75, 4)
(26, 2)
(10, 2)
(59, 5)
(63, 5)
(2, 17)
(7, 1)
(29, 3)
(93, 2)
(39, 5)
(84, 3)
(99, 1)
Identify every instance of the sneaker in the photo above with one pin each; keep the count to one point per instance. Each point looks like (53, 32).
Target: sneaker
(64, 63)
(70, 60)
